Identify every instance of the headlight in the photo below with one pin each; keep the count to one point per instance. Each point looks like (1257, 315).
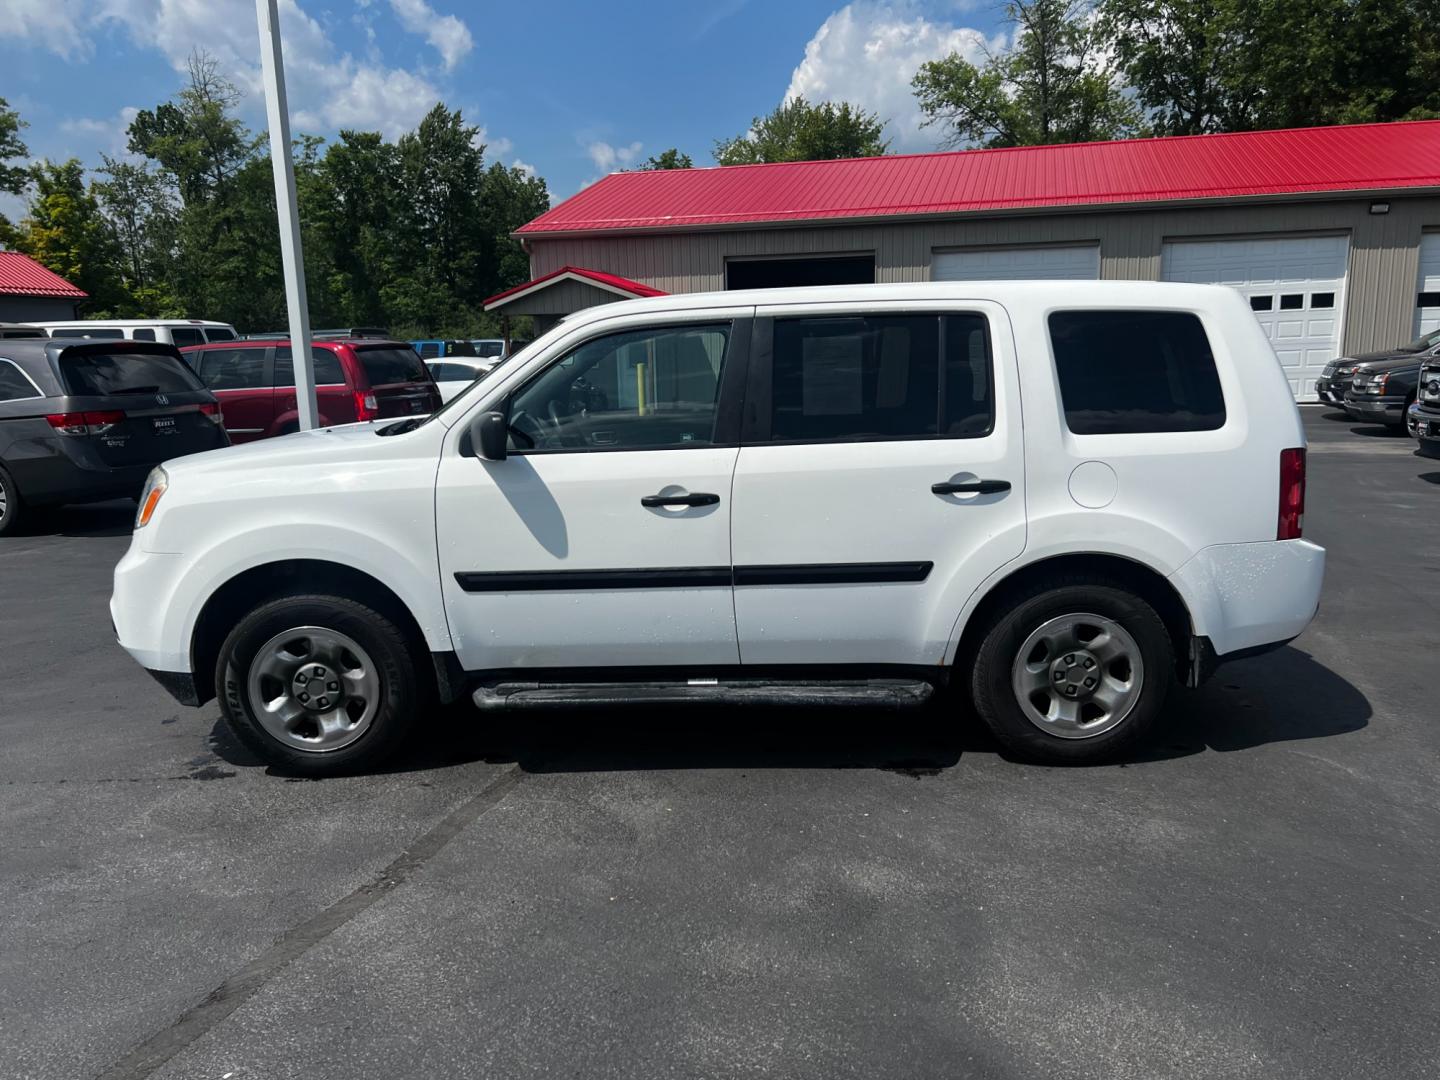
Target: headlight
(155, 485)
(1375, 384)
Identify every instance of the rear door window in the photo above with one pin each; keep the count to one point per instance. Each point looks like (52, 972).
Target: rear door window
(101, 374)
(230, 369)
(392, 365)
(144, 334)
(1130, 372)
(186, 335)
(869, 377)
(327, 367)
(14, 383)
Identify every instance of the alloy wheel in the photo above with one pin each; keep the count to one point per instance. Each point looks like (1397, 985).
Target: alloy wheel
(1077, 676)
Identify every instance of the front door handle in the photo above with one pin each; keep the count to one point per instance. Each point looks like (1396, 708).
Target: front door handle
(699, 498)
(976, 487)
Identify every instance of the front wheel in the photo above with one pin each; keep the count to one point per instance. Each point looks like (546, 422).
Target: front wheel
(12, 510)
(1073, 671)
(318, 685)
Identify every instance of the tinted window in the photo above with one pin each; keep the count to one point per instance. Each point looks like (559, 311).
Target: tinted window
(880, 377)
(1262, 303)
(186, 335)
(1135, 371)
(1322, 299)
(14, 384)
(230, 369)
(144, 334)
(453, 372)
(327, 367)
(220, 334)
(99, 333)
(98, 374)
(1428, 299)
(490, 348)
(1292, 301)
(429, 349)
(645, 389)
(391, 365)
(459, 348)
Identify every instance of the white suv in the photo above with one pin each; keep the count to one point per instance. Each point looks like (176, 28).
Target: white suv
(1054, 499)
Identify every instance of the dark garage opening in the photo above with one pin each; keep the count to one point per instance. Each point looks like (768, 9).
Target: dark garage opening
(780, 273)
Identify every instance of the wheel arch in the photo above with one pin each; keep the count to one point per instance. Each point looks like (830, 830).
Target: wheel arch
(1145, 581)
(268, 581)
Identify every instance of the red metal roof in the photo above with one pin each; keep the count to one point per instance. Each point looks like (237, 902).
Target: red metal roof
(1359, 157)
(611, 282)
(21, 275)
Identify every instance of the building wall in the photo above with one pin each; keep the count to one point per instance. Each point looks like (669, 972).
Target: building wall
(36, 309)
(1383, 264)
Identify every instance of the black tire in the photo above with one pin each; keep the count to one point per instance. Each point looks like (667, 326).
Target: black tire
(397, 702)
(12, 507)
(1023, 613)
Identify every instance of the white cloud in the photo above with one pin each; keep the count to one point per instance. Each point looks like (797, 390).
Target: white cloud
(607, 158)
(52, 24)
(867, 53)
(524, 166)
(449, 36)
(391, 101)
(110, 134)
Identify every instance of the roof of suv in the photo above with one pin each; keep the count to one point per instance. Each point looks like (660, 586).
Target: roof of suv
(250, 343)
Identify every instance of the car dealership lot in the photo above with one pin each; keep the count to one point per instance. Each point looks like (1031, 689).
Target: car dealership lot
(739, 893)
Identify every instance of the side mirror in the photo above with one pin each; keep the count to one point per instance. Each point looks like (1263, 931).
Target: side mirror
(489, 432)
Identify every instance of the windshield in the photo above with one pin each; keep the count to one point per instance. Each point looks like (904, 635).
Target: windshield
(99, 374)
(454, 402)
(1423, 342)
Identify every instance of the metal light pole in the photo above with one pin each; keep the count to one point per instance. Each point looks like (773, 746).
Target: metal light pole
(291, 257)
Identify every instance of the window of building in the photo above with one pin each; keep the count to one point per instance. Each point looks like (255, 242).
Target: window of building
(856, 378)
(1292, 301)
(1428, 299)
(327, 367)
(783, 273)
(639, 390)
(1135, 371)
(1262, 303)
(1320, 300)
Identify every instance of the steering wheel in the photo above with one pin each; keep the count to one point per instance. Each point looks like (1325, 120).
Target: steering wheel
(526, 427)
(555, 418)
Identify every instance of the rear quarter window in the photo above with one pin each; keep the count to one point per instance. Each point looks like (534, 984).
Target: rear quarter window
(100, 374)
(186, 335)
(392, 365)
(15, 385)
(1131, 372)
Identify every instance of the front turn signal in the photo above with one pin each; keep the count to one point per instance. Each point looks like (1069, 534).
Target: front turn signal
(155, 485)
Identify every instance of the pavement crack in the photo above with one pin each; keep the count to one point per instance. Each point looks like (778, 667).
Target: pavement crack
(243, 984)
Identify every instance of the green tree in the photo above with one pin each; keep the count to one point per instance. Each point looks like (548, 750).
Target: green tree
(1053, 86)
(143, 218)
(13, 178)
(799, 131)
(666, 159)
(509, 198)
(352, 209)
(64, 230)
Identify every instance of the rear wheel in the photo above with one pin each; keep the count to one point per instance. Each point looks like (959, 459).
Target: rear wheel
(318, 685)
(1073, 670)
(12, 509)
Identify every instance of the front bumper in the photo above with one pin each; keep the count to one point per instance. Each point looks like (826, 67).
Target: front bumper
(1379, 410)
(1246, 596)
(143, 606)
(1332, 393)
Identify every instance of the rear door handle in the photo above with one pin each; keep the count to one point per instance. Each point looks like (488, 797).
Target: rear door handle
(699, 498)
(977, 487)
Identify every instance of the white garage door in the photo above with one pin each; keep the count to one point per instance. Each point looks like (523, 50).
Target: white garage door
(1296, 288)
(1427, 303)
(1017, 263)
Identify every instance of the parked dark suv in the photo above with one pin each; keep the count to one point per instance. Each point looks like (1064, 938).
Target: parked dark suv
(1424, 416)
(82, 421)
(355, 379)
(1380, 385)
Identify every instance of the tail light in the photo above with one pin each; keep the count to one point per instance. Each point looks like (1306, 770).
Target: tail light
(213, 412)
(366, 407)
(86, 423)
(1292, 494)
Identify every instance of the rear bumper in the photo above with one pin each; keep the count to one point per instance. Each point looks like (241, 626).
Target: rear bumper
(1247, 596)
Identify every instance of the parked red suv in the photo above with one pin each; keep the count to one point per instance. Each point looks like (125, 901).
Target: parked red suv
(356, 379)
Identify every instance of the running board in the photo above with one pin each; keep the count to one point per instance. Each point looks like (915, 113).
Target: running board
(872, 693)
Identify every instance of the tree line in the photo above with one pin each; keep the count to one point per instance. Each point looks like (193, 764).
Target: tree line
(410, 234)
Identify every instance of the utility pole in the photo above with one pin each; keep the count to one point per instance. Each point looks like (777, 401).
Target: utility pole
(292, 259)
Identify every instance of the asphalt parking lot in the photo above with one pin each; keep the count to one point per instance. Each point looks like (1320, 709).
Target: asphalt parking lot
(731, 894)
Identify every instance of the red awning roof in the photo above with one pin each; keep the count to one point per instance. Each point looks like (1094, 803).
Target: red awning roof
(610, 282)
(21, 275)
(1359, 157)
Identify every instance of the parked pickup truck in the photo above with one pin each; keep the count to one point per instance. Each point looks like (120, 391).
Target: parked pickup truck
(1378, 387)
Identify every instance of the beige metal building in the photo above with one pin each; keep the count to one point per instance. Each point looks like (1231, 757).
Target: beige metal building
(1326, 230)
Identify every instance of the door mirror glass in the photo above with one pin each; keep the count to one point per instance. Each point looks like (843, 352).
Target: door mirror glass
(487, 435)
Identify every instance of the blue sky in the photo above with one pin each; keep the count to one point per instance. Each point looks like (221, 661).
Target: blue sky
(573, 89)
